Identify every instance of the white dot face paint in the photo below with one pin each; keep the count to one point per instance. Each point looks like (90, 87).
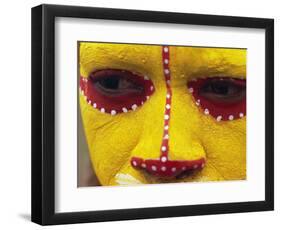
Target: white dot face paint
(135, 163)
(168, 106)
(154, 168)
(125, 110)
(174, 169)
(166, 117)
(190, 90)
(143, 165)
(113, 112)
(219, 118)
(166, 127)
(166, 61)
(241, 115)
(166, 71)
(206, 111)
(102, 110)
(163, 168)
(166, 49)
(95, 105)
(163, 159)
(231, 117)
(134, 107)
(163, 148)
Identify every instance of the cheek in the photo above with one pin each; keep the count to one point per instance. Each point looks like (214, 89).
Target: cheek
(110, 140)
(226, 147)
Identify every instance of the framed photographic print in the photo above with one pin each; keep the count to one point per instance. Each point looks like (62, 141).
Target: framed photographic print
(142, 114)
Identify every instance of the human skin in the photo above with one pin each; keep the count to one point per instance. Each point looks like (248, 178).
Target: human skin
(115, 139)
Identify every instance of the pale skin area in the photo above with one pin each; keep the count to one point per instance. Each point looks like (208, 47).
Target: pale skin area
(113, 140)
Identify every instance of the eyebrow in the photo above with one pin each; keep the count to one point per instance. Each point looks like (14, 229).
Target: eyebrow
(117, 56)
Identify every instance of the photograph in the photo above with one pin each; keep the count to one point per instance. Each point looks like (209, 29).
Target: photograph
(140, 114)
(152, 114)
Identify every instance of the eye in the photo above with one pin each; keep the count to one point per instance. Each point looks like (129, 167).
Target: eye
(116, 83)
(223, 90)
(221, 97)
(116, 91)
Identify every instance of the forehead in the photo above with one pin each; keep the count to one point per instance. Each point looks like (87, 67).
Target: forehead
(186, 62)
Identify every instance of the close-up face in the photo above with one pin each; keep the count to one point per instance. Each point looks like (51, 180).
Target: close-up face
(163, 114)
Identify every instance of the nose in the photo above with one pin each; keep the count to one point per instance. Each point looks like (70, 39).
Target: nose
(167, 168)
(164, 167)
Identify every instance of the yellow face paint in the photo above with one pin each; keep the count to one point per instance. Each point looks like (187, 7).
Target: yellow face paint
(114, 138)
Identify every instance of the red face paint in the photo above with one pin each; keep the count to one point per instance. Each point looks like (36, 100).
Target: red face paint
(163, 167)
(167, 169)
(221, 97)
(116, 91)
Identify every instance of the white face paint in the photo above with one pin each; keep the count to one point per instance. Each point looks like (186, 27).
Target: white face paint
(126, 179)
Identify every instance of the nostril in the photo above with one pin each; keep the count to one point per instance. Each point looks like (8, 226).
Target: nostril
(167, 168)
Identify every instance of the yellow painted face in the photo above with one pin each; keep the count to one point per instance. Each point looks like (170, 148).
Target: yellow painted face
(196, 133)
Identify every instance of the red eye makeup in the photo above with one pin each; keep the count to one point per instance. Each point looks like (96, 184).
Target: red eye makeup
(116, 91)
(223, 98)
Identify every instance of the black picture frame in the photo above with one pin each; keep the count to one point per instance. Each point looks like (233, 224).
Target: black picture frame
(43, 114)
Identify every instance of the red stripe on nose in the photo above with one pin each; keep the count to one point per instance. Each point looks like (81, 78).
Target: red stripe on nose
(164, 150)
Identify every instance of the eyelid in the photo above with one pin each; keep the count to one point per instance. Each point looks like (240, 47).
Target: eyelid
(199, 82)
(132, 88)
(103, 73)
(234, 83)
